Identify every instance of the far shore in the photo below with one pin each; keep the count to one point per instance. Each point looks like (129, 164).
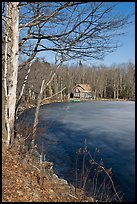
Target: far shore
(25, 106)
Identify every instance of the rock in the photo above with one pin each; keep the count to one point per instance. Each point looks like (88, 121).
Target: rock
(62, 181)
(48, 165)
(55, 177)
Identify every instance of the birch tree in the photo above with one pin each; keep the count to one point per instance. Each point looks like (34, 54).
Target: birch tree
(11, 31)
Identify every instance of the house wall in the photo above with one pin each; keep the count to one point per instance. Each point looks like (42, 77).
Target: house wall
(76, 93)
(82, 95)
(79, 93)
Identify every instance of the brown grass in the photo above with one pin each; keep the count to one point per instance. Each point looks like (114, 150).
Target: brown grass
(20, 182)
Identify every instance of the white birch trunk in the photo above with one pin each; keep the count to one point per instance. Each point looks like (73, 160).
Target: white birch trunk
(117, 94)
(12, 32)
(6, 97)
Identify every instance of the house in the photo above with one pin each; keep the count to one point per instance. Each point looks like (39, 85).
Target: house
(81, 91)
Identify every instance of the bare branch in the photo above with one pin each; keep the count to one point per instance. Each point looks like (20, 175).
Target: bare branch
(52, 76)
(55, 94)
(36, 114)
(45, 19)
(22, 90)
(30, 23)
(32, 56)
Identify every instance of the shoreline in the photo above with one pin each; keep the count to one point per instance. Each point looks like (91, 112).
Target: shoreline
(24, 106)
(34, 162)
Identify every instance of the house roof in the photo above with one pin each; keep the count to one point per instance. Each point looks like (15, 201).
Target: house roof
(83, 87)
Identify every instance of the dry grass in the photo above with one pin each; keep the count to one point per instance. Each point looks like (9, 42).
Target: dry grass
(21, 182)
(93, 178)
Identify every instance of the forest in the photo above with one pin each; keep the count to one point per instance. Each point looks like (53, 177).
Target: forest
(114, 82)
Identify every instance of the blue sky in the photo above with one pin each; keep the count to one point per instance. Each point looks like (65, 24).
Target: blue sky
(123, 54)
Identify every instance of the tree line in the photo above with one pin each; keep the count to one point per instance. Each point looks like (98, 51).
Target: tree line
(115, 81)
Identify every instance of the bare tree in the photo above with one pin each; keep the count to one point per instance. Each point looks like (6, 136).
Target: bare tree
(72, 30)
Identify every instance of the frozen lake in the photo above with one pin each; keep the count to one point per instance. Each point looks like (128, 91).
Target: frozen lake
(106, 125)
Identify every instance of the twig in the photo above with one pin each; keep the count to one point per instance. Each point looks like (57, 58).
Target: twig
(107, 175)
(73, 196)
(76, 172)
(27, 24)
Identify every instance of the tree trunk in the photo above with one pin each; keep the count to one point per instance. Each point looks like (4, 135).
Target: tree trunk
(36, 115)
(12, 31)
(22, 90)
(114, 94)
(6, 96)
(61, 88)
(117, 94)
